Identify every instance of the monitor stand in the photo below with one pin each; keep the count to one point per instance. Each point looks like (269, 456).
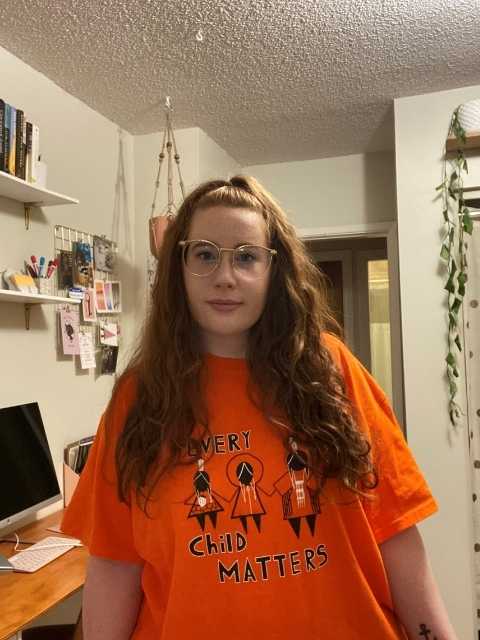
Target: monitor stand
(5, 564)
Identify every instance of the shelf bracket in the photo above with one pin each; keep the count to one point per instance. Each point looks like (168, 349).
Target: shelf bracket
(28, 210)
(27, 316)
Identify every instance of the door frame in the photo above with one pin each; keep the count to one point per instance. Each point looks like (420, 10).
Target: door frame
(345, 257)
(388, 230)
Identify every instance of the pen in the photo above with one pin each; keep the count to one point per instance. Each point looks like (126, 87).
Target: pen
(35, 266)
(42, 266)
(51, 270)
(30, 271)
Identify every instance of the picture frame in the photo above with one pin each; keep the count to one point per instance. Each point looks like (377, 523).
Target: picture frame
(89, 311)
(108, 363)
(103, 254)
(100, 302)
(82, 263)
(113, 296)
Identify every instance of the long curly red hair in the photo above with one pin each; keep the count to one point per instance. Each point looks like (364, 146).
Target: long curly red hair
(298, 386)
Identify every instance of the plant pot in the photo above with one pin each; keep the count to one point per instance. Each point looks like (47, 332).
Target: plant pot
(157, 227)
(469, 115)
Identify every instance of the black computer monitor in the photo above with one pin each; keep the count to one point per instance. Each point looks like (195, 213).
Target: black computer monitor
(28, 480)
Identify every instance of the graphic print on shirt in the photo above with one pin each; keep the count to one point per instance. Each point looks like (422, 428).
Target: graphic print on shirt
(245, 471)
(299, 499)
(204, 502)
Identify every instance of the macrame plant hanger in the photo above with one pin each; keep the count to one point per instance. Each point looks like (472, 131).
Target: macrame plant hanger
(158, 224)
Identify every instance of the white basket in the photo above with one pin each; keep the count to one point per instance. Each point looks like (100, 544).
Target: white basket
(469, 115)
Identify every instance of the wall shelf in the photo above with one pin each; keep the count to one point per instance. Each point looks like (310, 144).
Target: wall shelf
(28, 299)
(472, 142)
(30, 195)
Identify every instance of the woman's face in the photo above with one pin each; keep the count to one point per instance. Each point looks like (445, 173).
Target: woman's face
(225, 328)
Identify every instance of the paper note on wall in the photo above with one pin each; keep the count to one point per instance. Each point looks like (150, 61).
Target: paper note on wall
(69, 324)
(87, 349)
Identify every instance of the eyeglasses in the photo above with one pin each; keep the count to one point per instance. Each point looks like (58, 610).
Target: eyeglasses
(202, 257)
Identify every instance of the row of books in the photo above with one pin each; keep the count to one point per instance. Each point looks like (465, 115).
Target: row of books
(19, 143)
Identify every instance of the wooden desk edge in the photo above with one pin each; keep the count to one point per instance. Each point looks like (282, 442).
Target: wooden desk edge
(13, 584)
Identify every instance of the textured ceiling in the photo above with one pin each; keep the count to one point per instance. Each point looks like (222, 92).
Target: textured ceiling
(272, 80)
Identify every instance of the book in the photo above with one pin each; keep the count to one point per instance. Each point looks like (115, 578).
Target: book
(19, 152)
(34, 154)
(28, 152)
(2, 133)
(12, 141)
(24, 150)
(6, 138)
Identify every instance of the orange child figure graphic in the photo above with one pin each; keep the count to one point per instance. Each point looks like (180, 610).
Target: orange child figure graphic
(299, 499)
(245, 471)
(203, 502)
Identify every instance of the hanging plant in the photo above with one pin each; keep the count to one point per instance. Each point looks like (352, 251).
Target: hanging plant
(457, 222)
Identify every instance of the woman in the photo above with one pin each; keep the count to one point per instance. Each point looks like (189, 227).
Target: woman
(310, 530)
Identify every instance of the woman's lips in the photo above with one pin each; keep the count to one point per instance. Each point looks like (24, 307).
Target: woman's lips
(224, 307)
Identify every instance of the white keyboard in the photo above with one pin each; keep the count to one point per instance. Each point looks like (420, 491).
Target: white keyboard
(41, 553)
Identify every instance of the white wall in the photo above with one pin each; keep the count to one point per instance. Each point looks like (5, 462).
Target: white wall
(81, 149)
(213, 161)
(421, 124)
(330, 192)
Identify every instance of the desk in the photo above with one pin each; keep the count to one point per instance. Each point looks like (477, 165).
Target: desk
(26, 596)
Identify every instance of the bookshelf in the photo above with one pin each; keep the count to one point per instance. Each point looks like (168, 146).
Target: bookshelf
(30, 195)
(29, 299)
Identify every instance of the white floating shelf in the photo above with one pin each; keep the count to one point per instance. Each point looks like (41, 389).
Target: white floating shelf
(33, 298)
(22, 191)
(28, 299)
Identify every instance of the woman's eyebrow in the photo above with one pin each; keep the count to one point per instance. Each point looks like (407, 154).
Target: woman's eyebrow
(239, 244)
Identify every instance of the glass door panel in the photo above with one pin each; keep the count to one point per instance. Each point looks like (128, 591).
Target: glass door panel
(379, 324)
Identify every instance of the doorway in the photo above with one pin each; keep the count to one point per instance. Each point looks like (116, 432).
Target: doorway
(362, 298)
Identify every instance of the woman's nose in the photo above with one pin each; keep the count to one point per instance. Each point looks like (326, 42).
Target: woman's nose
(225, 270)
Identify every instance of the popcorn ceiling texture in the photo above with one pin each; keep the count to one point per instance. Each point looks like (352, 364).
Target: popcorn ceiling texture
(272, 80)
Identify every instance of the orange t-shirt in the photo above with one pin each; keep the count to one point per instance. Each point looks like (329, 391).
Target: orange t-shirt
(240, 546)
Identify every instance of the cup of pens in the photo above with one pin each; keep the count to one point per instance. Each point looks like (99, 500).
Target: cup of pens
(45, 286)
(42, 274)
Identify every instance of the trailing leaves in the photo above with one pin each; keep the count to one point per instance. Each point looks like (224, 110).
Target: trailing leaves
(457, 222)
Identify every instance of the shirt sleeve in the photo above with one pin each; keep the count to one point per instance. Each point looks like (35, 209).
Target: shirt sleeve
(95, 514)
(402, 497)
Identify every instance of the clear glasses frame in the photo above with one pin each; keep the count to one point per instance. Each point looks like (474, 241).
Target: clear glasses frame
(237, 251)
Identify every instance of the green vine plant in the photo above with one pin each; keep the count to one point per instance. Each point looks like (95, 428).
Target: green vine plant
(457, 223)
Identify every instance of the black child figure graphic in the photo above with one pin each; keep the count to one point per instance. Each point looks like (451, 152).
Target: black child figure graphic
(298, 497)
(204, 503)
